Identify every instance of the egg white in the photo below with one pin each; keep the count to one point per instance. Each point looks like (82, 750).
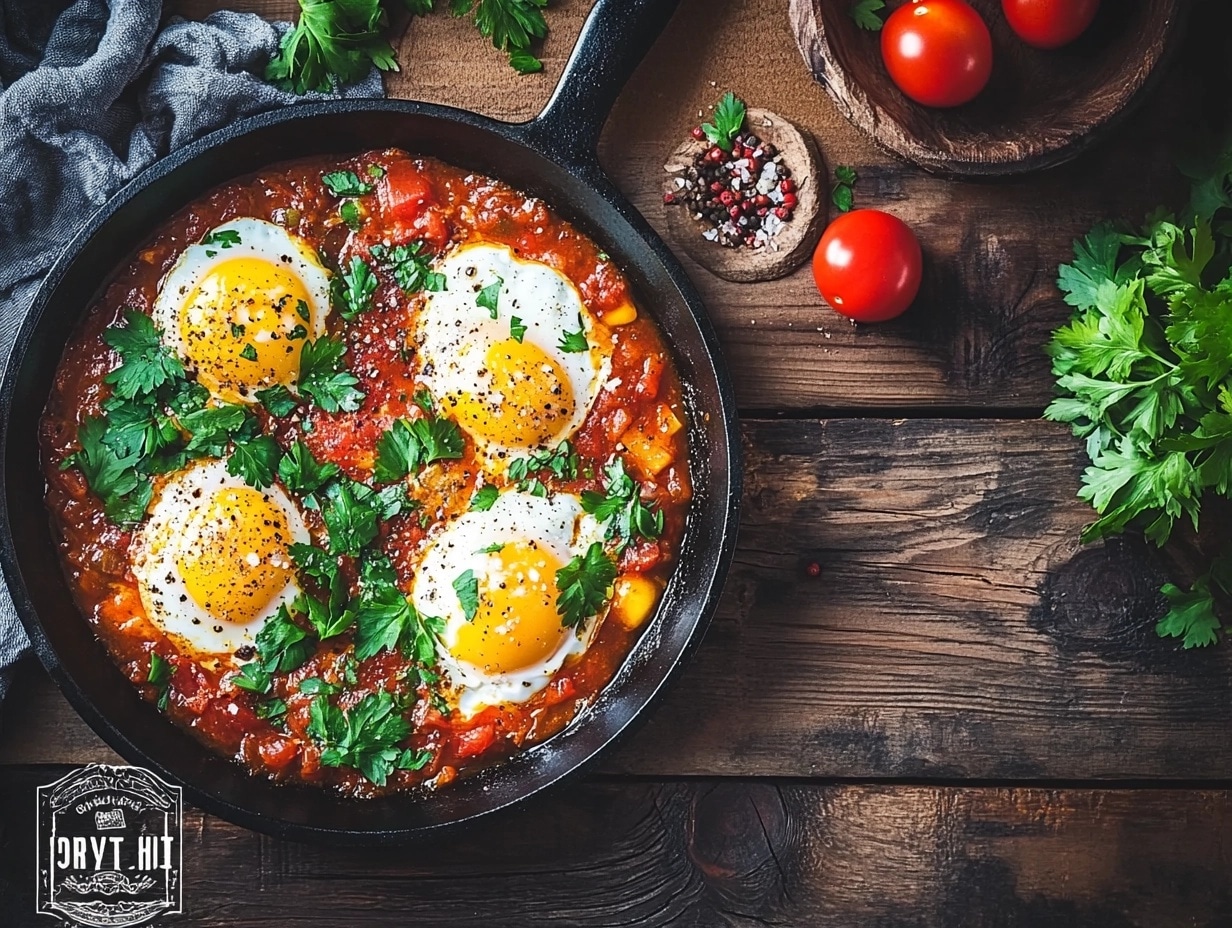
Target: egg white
(455, 333)
(555, 523)
(162, 539)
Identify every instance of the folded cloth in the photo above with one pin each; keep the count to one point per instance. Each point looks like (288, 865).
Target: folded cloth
(92, 94)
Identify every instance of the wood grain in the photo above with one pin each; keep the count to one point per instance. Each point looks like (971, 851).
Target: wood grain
(958, 628)
(726, 853)
(1040, 108)
(974, 338)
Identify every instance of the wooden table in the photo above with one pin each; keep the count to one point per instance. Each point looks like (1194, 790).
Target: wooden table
(966, 720)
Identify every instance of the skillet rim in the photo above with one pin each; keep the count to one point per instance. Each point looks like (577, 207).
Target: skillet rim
(715, 558)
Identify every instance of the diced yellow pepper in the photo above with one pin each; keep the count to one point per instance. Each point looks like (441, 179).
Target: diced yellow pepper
(621, 315)
(669, 424)
(651, 455)
(635, 600)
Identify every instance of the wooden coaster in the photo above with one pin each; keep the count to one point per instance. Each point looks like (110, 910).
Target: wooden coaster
(794, 244)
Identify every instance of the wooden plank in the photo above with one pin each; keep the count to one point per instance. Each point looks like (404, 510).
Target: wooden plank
(974, 338)
(958, 628)
(728, 853)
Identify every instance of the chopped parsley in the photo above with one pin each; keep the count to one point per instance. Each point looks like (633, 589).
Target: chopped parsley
(365, 736)
(348, 212)
(323, 378)
(282, 646)
(516, 330)
(584, 585)
(302, 473)
(385, 620)
(345, 184)
(407, 446)
(561, 462)
(621, 508)
(410, 265)
(249, 352)
(315, 686)
(489, 297)
(843, 196)
(255, 461)
(466, 585)
(484, 498)
(574, 342)
(278, 401)
(352, 524)
(352, 289)
(147, 364)
(159, 677)
(222, 238)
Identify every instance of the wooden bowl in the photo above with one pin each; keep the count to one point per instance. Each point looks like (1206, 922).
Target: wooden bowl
(1040, 108)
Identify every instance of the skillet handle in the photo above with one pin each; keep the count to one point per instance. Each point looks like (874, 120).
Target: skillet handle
(615, 37)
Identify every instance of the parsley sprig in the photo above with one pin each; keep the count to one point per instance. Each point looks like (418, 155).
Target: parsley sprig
(365, 737)
(407, 446)
(340, 40)
(1144, 375)
(865, 14)
(561, 462)
(728, 119)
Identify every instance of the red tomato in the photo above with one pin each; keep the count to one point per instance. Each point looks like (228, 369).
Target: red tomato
(868, 265)
(475, 740)
(938, 52)
(1049, 23)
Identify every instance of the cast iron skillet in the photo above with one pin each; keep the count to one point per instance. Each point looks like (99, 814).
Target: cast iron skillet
(552, 156)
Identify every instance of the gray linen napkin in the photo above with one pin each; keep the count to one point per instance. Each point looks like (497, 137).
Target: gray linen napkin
(91, 94)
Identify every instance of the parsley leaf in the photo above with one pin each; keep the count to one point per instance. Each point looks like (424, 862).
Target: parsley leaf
(1190, 616)
(255, 460)
(112, 476)
(516, 330)
(147, 363)
(466, 585)
(348, 212)
(621, 508)
(352, 524)
(345, 184)
(489, 297)
(407, 446)
(864, 14)
(353, 288)
(561, 462)
(315, 686)
(411, 266)
(385, 620)
(584, 585)
(302, 473)
(574, 342)
(212, 427)
(843, 196)
(323, 379)
(278, 401)
(728, 120)
(159, 677)
(222, 238)
(485, 497)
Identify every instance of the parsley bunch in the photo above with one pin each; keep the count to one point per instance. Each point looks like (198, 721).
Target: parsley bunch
(339, 40)
(1144, 373)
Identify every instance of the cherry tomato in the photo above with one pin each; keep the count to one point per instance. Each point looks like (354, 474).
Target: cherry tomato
(938, 52)
(868, 265)
(1049, 23)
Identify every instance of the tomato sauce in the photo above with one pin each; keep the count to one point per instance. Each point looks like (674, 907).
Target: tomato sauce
(415, 200)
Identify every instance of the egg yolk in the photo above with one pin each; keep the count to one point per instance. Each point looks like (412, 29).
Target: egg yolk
(233, 554)
(516, 625)
(529, 399)
(243, 326)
